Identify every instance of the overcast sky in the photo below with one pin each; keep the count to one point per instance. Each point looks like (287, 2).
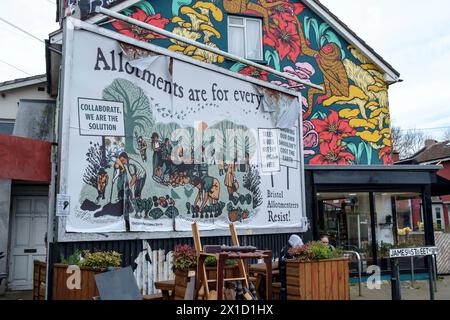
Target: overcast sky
(412, 35)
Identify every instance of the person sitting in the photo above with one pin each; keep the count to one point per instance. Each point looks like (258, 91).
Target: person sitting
(293, 242)
(326, 240)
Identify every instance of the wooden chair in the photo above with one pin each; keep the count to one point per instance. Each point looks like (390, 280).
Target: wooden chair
(241, 264)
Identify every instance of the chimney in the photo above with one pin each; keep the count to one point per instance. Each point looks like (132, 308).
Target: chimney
(395, 157)
(430, 142)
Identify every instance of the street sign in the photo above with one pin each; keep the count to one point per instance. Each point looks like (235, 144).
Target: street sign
(413, 252)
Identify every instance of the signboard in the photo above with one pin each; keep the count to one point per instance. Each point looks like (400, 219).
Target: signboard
(153, 150)
(289, 155)
(269, 150)
(62, 205)
(413, 252)
(100, 118)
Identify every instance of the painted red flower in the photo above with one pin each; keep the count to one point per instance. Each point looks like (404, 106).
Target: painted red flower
(285, 10)
(332, 154)
(139, 33)
(283, 36)
(255, 73)
(333, 128)
(385, 154)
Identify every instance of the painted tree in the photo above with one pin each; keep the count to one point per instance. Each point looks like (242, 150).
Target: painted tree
(96, 160)
(252, 180)
(137, 110)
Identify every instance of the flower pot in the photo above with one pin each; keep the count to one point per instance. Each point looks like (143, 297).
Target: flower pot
(183, 279)
(318, 280)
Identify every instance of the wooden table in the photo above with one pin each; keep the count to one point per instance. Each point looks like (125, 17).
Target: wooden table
(221, 259)
(167, 288)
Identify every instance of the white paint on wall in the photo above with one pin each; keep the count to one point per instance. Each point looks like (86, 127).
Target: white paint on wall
(152, 266)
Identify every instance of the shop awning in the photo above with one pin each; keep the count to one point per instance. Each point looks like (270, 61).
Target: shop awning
(25, 159)
(441, 187)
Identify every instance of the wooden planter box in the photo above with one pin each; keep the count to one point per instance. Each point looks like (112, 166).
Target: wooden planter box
(88, 288)
(318, 280)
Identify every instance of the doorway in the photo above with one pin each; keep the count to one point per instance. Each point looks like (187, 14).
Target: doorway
(29, 227)
(438, 217)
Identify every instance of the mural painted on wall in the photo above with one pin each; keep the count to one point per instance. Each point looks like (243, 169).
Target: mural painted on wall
(347, 123)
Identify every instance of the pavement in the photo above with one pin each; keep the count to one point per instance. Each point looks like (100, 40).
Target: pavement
(17, 295)
(419, 290)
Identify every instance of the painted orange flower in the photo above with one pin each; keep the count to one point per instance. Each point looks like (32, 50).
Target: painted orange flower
(332, 127)
(255, 73)
(283, 36)
(139, 33)
(332, 154)
(385, 154)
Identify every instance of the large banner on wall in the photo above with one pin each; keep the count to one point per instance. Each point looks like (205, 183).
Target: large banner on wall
(154, 144)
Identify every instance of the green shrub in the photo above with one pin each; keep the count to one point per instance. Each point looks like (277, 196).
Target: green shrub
(211, 261)
(97, 260)
(313, 251)
(73, 259)
(101, 260)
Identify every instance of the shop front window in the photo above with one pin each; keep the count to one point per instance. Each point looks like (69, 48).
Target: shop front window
(345, 217)
(398, 224)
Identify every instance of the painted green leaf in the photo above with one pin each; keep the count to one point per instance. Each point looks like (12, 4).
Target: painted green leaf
(237, 67)
(369, 152)
(188, 192)
(146, 7)
(361, 149)
(127, 12)
(311, 23)
(315, 116)
(272, 58)
(352, 148)
(174, 195)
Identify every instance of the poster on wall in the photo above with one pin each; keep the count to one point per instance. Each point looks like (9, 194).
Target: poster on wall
(156, 144)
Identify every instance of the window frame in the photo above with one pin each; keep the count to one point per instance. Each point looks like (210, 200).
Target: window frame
(244, 26)
(8, 121)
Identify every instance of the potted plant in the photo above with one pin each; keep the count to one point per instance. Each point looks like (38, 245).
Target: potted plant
(73, 278)
(317, 272)
(231, 268)
(184, 263)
